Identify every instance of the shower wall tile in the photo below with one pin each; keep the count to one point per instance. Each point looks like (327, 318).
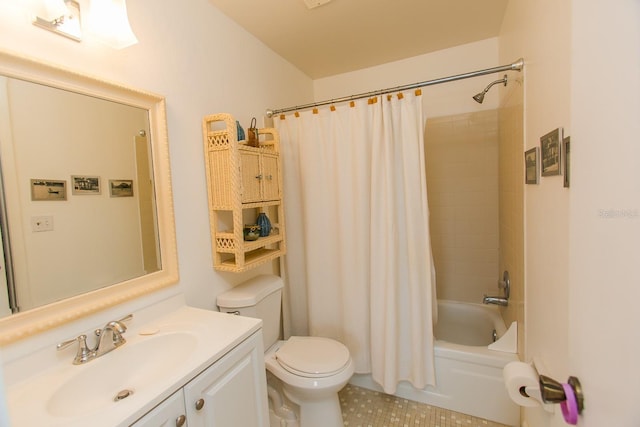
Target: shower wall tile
(475, 182)
(461, 154)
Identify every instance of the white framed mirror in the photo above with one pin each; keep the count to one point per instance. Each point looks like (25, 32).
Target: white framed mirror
(89, 191)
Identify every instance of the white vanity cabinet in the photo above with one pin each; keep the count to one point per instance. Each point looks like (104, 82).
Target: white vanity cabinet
(174, 356)
(169, 413)
(231, 392)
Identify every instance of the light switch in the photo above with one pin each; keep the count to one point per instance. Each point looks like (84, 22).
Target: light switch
(42, 223)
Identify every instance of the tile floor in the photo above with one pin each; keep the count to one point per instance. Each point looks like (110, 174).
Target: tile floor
(366, 408)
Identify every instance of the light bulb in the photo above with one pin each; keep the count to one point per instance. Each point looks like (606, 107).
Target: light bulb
(109, 22)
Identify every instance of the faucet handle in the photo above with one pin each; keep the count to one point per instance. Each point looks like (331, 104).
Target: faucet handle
(118, 329)
(126, 318)
(67, 343)
(505, 284)
(84, 354)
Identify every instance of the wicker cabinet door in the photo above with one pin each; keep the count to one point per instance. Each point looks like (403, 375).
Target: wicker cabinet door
(250, 177)
(270, 187)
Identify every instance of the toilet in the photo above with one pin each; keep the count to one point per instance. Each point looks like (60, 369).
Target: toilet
(308, 371)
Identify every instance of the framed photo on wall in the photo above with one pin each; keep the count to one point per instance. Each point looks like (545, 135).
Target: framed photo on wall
(566, 156)
(531, 166)
(82, 184)
(48, 189)
(550, 152)
(121, 188)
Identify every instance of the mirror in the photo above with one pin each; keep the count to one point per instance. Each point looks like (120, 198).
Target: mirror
(80, 211)
(88, 200)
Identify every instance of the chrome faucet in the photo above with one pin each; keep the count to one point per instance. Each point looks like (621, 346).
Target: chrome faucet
(504, 284)
(107, 339)
(110, 337)
(495, 300)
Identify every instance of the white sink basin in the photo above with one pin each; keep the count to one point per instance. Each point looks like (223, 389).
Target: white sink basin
(130, 367)
(160, 356)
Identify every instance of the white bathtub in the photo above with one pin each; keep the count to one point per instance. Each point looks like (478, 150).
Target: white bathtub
(468, 373)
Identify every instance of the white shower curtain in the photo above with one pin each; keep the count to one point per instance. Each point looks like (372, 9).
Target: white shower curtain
(359, 266)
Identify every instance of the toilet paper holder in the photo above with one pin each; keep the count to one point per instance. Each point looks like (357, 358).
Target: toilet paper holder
(552, 391)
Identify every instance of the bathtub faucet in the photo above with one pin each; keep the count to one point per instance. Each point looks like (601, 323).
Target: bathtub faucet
(504, 284)
(495, 300)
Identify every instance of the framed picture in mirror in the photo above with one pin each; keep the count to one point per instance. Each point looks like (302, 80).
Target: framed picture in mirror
(121, 188)
(48, 189)
(83, 185)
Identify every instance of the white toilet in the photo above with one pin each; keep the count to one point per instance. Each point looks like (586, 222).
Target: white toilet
(310, 370)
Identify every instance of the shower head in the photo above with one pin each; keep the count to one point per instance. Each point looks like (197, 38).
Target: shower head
(480, 97)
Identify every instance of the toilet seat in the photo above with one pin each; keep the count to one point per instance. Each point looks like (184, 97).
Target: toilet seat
(312, 357)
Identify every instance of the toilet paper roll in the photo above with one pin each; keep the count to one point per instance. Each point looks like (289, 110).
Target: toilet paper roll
(521, 381)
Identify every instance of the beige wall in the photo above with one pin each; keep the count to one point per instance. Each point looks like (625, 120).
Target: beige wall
(461, 156)
(438, 100)
(583, 244)
(540, 33)
(511, 194)
(203, 63)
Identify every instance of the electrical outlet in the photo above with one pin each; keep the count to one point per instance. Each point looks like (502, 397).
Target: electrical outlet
(42, 223)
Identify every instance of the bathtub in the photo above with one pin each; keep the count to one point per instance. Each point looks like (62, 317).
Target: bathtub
(468, 372)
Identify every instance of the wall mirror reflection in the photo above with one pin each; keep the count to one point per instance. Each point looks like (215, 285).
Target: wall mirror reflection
(70, 247)
(60, 247)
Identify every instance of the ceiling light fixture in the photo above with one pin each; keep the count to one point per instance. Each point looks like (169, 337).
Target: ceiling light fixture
(61, 17)
(109, 22)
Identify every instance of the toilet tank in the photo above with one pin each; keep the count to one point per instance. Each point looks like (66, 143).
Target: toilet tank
(259, 297)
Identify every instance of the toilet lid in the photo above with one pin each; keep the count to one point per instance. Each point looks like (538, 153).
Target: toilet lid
(312, 356)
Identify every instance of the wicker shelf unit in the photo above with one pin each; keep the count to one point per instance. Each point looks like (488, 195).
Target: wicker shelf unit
(242, 181)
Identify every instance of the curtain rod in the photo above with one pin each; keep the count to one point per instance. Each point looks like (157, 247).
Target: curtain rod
(515, 66)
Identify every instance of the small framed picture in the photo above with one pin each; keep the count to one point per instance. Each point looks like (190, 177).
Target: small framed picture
(550, 153)
(531, 168)
(121, 188)
(566, 156)
(48, 189)
(82, 185)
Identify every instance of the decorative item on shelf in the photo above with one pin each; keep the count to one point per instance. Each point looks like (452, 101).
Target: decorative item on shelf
(264, 223)
(251, 232)
(252, 137)
(241, 135)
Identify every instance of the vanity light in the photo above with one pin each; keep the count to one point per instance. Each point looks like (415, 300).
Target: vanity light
(108, 21)
(60, 16)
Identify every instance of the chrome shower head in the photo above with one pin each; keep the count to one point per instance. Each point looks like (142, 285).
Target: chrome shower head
(480, 97)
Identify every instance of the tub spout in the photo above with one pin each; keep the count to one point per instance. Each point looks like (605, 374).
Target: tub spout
(495, 300)
(504, 284)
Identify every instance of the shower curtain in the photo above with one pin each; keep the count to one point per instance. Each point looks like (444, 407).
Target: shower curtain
(359, 265)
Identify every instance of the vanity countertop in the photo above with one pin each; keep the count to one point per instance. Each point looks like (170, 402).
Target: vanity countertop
(191, 340)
